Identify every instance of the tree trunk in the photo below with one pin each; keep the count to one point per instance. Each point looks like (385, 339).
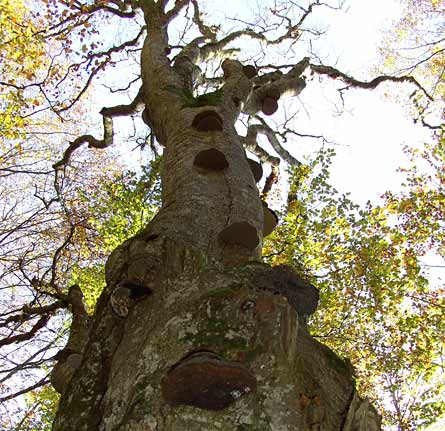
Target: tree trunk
(193, 331)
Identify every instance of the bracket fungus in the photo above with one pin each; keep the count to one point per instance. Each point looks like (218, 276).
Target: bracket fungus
(68, 362)
(240, 233)
(256, 168)
(212, 160)
(208, 121)
(269, 103)
(125, 294)
(283, 280)
(270, 220)
(145, 117)
(250, 71)
(207, 381)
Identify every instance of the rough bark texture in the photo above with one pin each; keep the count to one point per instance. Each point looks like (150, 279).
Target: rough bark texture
(212, 313)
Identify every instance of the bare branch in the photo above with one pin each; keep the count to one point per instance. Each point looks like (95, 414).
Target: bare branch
(174, 12)
(350, 81)
(264, 129)
(90, 140)
(30, 312)
(40, 383)
(205, 30)
(108, 114)
(28, 335)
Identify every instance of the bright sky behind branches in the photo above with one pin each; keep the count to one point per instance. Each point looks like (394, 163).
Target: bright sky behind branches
(371, 133)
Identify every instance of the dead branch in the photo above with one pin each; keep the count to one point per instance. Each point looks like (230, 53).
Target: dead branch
(175, 10)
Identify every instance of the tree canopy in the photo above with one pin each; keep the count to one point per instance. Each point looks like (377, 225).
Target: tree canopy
(70, 197)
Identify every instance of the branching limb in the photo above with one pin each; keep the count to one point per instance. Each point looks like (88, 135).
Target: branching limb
(175, 10)
(251, 144)
(103, 57)
(40, 383)
(29, 313)
(369, 85)
(270, 181)
(293, 32)
(275, 85)
(41, 323)
(125, 110)
(264, 129)
(108, 114)
(209, 33)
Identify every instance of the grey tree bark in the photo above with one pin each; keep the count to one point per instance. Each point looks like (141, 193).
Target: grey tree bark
(193, 331)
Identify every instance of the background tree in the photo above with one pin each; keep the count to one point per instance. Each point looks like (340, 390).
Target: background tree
(179, 261)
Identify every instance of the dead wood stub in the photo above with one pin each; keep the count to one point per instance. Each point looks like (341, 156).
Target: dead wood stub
(240, 233)
(207, 381)
(211, 159)
(126, 294)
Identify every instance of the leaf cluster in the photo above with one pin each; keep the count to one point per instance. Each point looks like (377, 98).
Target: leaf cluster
(377, 308)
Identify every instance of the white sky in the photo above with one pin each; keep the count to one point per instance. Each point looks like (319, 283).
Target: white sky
(370, 135)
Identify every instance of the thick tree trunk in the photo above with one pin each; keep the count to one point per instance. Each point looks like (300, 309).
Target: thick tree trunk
(190, 332)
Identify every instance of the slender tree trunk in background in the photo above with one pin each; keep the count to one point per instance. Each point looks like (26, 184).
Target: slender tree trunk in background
(202, 341)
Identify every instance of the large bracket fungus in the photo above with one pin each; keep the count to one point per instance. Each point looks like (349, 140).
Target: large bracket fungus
(283, 280)
(68, 361)
(207, 381)
(270, 220)
(269, 103)
(208, 121)
(126, 294)
(240, 233)
(256, 168)
(211, 160)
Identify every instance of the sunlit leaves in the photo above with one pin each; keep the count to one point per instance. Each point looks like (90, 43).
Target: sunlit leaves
(21, 57)
(119, 209)
(376, 307)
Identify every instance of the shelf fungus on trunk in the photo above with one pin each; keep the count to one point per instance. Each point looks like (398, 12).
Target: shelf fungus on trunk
(269, 104)
(68, 361)
(270, 220)
(211, 160)
(283, 280)
(125, 295)
(146, 118)
(208, 121)
(256, 168)
(240, 233)
(250, 71)
(207, 381)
